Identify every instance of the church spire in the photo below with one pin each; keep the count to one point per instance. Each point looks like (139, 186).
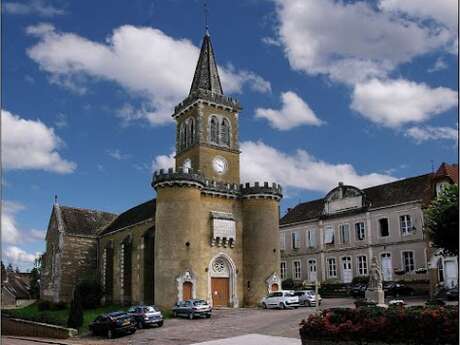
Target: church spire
(206, 74)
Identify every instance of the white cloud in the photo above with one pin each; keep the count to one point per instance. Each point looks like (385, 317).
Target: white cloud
(164, 162)
(392, 103)
(443, 11)
(294, 112)
(261, 162)
(145, 61)
(421, 134)
(10, 230)
(356, 42)
(18, 256)
(118, 155)
(61, 120)
(32, 7)
(28, 144)
(439, 65)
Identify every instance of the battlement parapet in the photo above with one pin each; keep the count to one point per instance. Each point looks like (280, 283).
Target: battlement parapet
(170, 177)
(207, 96)
(257, 190)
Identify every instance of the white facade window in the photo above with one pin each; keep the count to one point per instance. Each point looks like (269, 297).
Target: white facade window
(362, 265)
(344, 233)
(297, 273)
(329, 235)
(295, 240)
(405, 224)
(360, 230)
(311, 238)
(283, 270)
(331, 268)
(282, 241)
(408, 261)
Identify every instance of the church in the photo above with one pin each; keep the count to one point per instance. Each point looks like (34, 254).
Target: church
(206, 235)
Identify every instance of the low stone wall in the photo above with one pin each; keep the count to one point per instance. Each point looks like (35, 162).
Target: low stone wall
(27, 328)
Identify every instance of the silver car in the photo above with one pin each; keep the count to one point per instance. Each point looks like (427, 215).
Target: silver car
(307, 298)
(280, 299)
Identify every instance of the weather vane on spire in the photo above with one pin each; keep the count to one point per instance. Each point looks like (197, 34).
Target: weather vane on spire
(205, 7)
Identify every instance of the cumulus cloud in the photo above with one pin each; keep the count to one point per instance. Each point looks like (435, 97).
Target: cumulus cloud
(18, 256)
(294, 112)
(395, 102)
(355, 43)
(421, 134)
(29, 144)
(164, 162)
(33, 7)
(10, 230)
(439, 65)
(144, 61)
(261, 162)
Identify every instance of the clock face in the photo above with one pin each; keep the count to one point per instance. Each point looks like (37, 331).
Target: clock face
(187, 165)
(219, 164)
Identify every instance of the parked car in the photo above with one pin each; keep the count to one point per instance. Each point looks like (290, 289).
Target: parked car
(452, 294)
(281, 299)
(358, 290)
(192, 308)
(113, 323)
(307, 298)
(146, 315)
(397, 289)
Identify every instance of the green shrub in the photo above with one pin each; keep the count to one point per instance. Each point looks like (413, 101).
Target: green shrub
(435, 302)
(46, 305)
(287, 284)
(91, 293)
(75, 319)
(363, 303)
(360, 280)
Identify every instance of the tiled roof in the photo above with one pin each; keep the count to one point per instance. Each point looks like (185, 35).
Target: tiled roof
(449, 170)
(409, 189)
(206, 74)
(16, 286)
(132, 216)
(81, 221)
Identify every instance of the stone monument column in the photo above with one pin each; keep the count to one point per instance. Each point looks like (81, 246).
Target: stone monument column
(374, 292)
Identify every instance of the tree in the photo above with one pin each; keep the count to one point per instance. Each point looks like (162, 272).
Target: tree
(442, 221)
(9, 268)
(75, 319)
(35, 283)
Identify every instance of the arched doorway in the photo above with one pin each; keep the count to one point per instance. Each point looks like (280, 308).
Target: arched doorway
(274, 287)
(187, 290)
(222, 281)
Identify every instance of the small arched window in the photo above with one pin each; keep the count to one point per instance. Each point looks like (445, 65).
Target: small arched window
(214, 130)
(182, 136)
(225, 132)
(191, 132)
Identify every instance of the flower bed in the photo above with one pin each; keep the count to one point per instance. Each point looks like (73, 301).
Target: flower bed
(373, 325)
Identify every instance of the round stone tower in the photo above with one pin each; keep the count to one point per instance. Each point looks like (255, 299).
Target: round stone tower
(260, 205)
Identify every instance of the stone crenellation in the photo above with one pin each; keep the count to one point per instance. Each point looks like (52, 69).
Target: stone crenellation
(190, 177)
(207, 96)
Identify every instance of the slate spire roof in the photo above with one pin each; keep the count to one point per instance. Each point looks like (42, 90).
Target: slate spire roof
(206, 74)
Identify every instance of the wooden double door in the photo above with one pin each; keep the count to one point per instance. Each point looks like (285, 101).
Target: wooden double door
(220, 292)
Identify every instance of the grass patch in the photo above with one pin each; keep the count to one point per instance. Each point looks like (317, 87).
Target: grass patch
(59, 317)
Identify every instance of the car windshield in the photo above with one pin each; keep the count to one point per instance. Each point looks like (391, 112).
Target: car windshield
(200, 302)
(289, 294)
(150, 309)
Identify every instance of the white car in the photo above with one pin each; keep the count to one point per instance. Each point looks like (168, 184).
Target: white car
(307, 298)
(280, 299)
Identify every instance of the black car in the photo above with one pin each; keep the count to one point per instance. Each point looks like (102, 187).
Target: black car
(146, 315)
(192, 308)
(397, 289)
(358, 290)
(452, 294)
(113, 323)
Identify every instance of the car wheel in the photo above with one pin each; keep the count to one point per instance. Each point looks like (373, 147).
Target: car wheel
(140, 324)
(264, 305)
(282, 305)
(110, 334)
(190, 316)
(160, 323)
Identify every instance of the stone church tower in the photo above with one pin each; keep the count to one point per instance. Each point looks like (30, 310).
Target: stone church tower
(215, 238)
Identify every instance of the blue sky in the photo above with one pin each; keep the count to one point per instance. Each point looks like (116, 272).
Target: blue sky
(353, 91)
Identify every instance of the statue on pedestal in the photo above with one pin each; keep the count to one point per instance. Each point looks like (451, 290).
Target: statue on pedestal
(374, 291)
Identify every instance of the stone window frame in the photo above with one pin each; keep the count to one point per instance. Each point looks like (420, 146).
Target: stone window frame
(405, 224)
(341, 227)
(283, 270)
(310, 238)
(403, 261)
(362, 267)
(329, 269)
(295, 240)
(294, 271)
(380, 227)
(329, 229)
(282, 241)
(358, 231)
(216, 133)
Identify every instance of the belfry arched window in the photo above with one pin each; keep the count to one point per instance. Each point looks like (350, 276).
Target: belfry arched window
(190, 131)
(225, 132)
(182, 136)
(214, 130)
